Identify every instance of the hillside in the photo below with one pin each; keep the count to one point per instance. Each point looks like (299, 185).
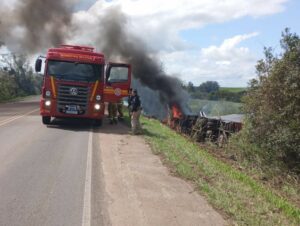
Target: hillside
(233, 89)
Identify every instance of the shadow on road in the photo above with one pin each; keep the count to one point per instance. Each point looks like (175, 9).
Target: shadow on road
(120, 128)
(71, 124)
(77, 125)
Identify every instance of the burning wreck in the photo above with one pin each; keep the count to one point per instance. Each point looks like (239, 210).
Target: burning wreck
(202, 128)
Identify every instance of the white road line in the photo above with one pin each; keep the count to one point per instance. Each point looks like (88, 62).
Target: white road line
(86, 215)
(6, 121)
(11, 118)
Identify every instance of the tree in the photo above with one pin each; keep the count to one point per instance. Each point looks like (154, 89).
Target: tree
(17, 77)
(7, 86)
(190, 87)
(209, 87)
(272, 104)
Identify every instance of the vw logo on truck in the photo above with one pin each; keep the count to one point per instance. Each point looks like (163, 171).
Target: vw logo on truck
(73, 91)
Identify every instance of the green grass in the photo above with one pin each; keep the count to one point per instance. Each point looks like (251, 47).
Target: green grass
(274, 174)
(241, 198)
(233, 89)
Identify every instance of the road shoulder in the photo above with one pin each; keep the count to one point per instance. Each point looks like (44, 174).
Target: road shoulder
(139, 190)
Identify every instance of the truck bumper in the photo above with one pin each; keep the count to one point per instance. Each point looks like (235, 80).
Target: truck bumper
(51, 110)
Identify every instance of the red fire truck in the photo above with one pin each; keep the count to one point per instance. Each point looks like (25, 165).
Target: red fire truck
(77, 82)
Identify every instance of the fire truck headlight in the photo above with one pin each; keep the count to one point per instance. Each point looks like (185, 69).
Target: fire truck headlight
(97, 107)
(98, 97)
(48, 93)
(47, 103)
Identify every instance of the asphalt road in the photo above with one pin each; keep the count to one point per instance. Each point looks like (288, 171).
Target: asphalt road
(45, 172)
(70, 173)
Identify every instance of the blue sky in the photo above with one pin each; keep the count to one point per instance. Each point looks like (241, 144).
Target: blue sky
(200, 40)
(269, 28)
(195, 40)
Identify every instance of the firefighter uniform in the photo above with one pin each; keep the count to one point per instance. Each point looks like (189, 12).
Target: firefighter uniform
(112, 113)
(130, 105)
(135, 113)
(120, 110)
(129, 98)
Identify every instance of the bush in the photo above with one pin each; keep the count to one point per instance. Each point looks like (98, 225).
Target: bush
(272, 104)
(17, 78)
(7, 87)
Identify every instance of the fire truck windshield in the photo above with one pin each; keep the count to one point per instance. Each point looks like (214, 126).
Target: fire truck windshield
(75, 71)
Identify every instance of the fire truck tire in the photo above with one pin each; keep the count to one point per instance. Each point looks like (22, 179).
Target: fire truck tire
(98, 122)
(46, 120)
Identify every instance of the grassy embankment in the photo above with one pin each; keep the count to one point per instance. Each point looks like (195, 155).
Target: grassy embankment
(239, 197)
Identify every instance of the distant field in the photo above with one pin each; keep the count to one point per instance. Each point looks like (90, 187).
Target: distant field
(215, 108)
(232, 89)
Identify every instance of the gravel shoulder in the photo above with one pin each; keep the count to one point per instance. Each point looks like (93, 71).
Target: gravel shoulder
(139, 190)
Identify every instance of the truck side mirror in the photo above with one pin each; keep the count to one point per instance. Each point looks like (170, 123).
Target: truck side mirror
(38, 65)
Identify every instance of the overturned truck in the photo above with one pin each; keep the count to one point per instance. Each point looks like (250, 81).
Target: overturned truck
(202, 128)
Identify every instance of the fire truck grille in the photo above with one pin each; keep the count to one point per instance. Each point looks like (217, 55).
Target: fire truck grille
(74, 96)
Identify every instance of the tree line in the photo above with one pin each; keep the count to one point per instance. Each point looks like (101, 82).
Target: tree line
(272, 107)
(17, 78)
(211, 90)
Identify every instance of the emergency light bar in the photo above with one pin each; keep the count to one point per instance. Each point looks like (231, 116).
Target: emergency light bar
(83, 48)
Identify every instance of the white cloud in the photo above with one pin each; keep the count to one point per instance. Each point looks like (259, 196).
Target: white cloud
(232, 42)
(158, 24)
(228, 49)
(228, 64)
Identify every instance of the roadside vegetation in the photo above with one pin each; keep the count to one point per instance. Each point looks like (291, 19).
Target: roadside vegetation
(240, 197)
(17, 78)
(271, 134)
(254, 179)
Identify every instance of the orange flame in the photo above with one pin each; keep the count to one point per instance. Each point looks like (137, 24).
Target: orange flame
(176, 112)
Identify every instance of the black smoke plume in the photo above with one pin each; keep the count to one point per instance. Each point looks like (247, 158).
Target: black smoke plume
(117, 42)
(33, 25)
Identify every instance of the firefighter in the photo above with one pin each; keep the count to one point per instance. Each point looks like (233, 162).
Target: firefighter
(135, 113)
(120, 110)
(112, 113)
(129, 102)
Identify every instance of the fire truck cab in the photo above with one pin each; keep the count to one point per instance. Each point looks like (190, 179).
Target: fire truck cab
(78, 81)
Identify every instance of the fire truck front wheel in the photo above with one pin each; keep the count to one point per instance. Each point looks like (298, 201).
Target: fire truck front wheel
(46, 120)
